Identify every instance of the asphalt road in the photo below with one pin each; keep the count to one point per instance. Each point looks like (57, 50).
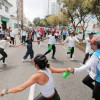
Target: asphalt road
(17, 72)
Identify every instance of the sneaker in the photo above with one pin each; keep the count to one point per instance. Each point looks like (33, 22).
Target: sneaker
(53, 58)
(23, 60)
(72, 58)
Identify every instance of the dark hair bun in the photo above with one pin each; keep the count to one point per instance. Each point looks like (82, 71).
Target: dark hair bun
(41, 61)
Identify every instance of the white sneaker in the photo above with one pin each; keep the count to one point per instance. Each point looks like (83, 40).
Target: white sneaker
(72, 58)
(24, 60)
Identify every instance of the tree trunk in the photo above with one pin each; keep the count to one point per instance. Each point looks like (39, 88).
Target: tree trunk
(83, 35)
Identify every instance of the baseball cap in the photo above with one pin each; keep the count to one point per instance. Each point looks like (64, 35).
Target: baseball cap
(91, 33)
(97, 42)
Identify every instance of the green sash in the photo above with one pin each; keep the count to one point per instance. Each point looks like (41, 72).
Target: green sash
(50, 47)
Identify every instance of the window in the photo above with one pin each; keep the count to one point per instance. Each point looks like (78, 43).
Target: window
(6, 9)
(0, 5)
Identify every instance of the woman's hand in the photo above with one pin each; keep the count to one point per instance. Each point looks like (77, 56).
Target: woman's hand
(2, 92)
(71, 69)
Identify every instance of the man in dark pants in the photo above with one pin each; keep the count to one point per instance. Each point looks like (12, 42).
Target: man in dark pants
(51, 45)
(88, 51)
(94, 64)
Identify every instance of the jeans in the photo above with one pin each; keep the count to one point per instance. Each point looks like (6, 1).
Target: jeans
(29, 51)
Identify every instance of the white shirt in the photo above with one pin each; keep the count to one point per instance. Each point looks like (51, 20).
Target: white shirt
(12, 34)
(88, 46)
(23, 33)
(38, 34)
(92, 63)
(4, 44)
(52, 39)
(71, 41)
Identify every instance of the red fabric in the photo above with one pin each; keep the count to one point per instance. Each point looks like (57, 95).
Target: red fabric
(42, 32)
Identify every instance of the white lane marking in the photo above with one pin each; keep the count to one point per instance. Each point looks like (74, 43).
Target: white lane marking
(31, 93)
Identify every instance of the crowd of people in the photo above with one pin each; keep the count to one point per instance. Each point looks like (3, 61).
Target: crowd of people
(45, 83)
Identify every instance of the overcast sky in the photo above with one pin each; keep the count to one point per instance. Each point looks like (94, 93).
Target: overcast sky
(34, 8)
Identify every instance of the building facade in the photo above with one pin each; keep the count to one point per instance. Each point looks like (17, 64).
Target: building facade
(5, 13)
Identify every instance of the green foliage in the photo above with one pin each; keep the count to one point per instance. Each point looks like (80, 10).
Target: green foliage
(36, 21)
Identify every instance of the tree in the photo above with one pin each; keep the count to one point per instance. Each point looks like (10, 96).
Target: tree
(77, 11)
(36, 21)
(30, 24)
(54, 20)
(43, 22)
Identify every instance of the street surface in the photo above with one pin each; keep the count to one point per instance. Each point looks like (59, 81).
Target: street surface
(17, 72)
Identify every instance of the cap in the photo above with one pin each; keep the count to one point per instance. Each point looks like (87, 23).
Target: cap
(91, 33)
(8, 38)
(97, 42)
(95, 38)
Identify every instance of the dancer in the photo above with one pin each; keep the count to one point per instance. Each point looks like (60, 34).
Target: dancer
(43, 79)
(3, 44)
(71, 44)
(89, 51)
(29, 48)
(51, 45)
(94, 64)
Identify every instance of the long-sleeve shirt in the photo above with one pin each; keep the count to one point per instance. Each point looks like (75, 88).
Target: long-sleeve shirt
(71, 41)
(88, 46)
(93, 63)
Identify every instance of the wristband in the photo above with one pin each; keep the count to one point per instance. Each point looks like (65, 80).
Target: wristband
(5, 92)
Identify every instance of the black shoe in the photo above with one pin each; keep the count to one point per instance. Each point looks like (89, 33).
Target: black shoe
(53, 58)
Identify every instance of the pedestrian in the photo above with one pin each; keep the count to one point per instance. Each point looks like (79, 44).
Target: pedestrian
(94, 64)
(29, 51)
(71, 44)
(43, 79)
(12, 36)
(51, 45)
(33, 33)
(23, 35)
(88, 51)
(3, 44)
(1, 33)
(64, 33)
(38, 35)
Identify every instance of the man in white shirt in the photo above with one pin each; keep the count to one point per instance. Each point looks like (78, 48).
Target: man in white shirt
(94, 65)
(51, 45)
(89, 51)
(12, 36)
(23, 34)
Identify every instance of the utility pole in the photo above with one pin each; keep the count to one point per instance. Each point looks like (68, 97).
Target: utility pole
(17, 14)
